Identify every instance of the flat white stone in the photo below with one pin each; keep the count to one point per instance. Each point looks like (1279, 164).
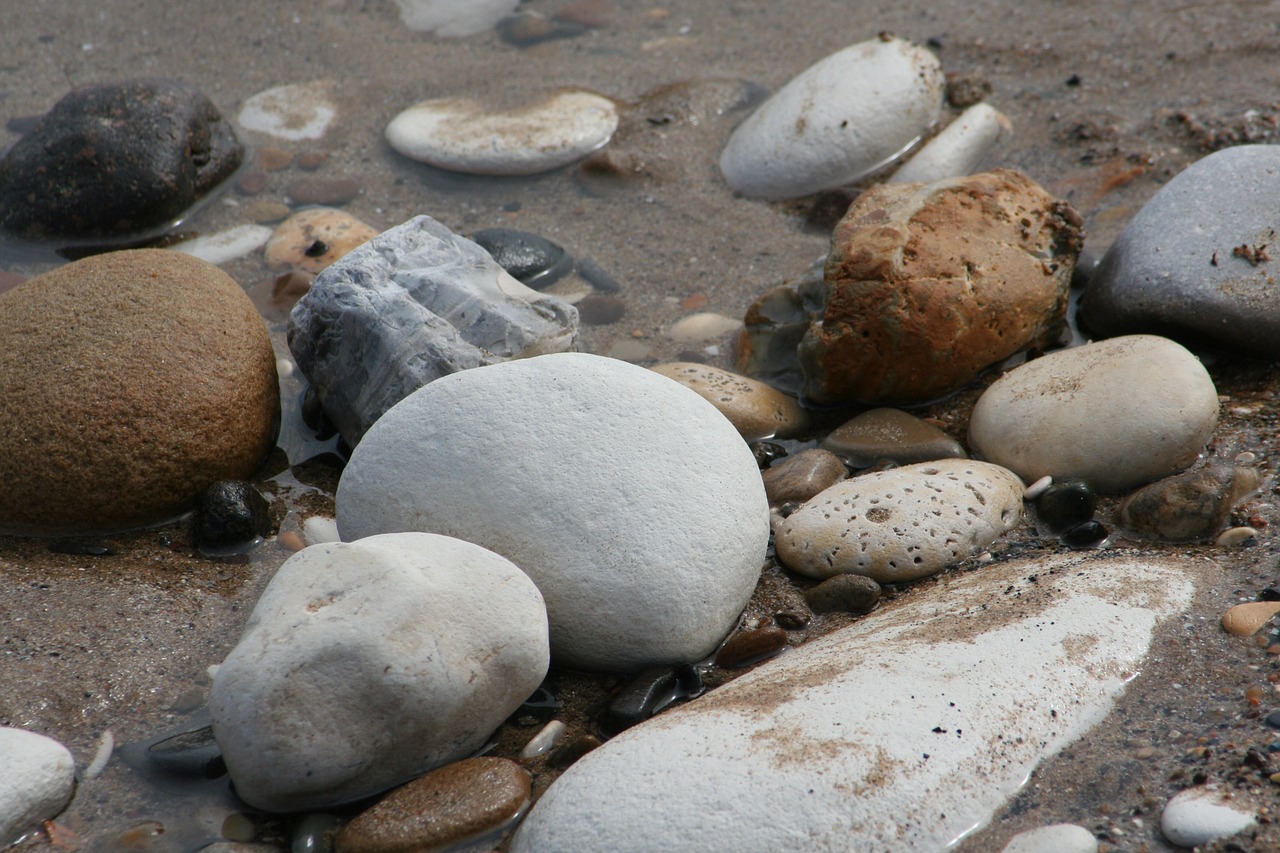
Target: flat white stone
(1116, 413)
(1199, 816)
(454, 18)
(838, 120)
(317, 530)
(226, 245)
(958, 149)
(704, 326)
(37, 779)
(1056, 838)
(364, 665)
(902, 732)
(462, 135)
(901, 524)
(295, 112)
(635, 506)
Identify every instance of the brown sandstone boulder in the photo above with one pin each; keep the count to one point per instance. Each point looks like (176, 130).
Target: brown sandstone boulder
(129, 382)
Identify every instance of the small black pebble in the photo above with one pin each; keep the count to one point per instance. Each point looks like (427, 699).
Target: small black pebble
(1065, 505)
(316, 249)
(1091, 534)
(1073, 80)
(231, 518)
(535, 261)
(767, 452)
(1271, 593)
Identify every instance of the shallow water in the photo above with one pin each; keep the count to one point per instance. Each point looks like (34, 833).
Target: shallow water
(1093, 90)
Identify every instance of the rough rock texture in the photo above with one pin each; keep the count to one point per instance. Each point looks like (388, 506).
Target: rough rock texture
(926, 286)
(1198, 263)
(131, 382)
(901, 524)
(366, 664)
(414, 304)
(754, 408)
(37, 779)
(901, 732)
(1188, 507)
(632, 503)
(114, 159)
(1116, 413)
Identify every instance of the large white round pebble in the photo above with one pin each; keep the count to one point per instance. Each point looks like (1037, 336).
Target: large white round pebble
(462, 135)
(364, 665)
(901, 524)
(841, 118)
(295, 112)
(635, 506)
(37, 778)
(1056, 838)
(1116, 413)
(1201, 815)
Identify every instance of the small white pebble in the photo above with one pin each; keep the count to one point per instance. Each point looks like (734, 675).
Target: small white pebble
(212, 671)
(1246, 458)
(317, 530)
(546, 738)
(106, 746)
(1236, 537)
(1055, 838)
(1037, 488)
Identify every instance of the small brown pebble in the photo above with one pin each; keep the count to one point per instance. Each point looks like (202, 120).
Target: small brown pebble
(1273, 649)
(793, 620)
(252, 182)
(264, 211)
(747, 647)
(1261, 641)
(844, 594)
(323, 190)
(290, 244)
(290, 541)
(803, 476)
(587, 13)
(312, 160)
(694, 302)
(1244, 620)
(1146, 752)
(600, 309)
(273, 159)
(568, 751)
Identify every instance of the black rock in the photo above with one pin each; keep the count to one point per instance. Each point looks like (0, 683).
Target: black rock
(1090, 534)
(534, 260)
(116, 159)
(648, 693)
(1066, 504)
(231, 518)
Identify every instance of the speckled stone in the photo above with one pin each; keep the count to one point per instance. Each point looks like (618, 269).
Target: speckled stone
(132, 381)
(890, 434)
(803, 476)
(1188, 507)
(456, 803)
(755, 409)
(313, 239)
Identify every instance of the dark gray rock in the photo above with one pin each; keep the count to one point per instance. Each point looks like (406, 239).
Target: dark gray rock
(116, 159)
(534, 260)
(1198, 263)
(413, 304)
(232, 517)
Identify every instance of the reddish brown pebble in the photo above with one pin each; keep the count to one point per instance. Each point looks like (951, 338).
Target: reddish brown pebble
(746, 647)
(323, 190)
(696, 302)
(290, 541)
(312, 160)
(458, 802)
(252, 182)
(803, 476)
(1273, 649)
(273, 159)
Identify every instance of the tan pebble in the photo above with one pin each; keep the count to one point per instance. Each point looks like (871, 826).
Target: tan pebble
(312, 239)
(1146, 752)
(702, 327)
(1235, 537)
(273, 159)
(755, 409)
(1244, 620)
(312, 160)
(264, 211)
(290, 541)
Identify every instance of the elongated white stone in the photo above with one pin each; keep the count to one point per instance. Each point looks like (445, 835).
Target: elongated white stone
(958, 149)
(453, 18)
(901, 732)
(226, 245)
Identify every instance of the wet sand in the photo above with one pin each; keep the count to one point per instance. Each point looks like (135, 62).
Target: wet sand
(1107, 102)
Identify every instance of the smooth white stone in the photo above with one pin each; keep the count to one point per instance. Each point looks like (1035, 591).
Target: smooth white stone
(295, 112)
(364, 665)
(226, 245)
(454, 18)
(37, 779)
(547, 737)
(462, 135)
(635, 506)
(901, 524)
(1056, 838)
(317, 530)
(1038, 488)
(1116, 413)
(838, 120)
(957, 150)
(705, 326)
(1201, 815)
(987, 673)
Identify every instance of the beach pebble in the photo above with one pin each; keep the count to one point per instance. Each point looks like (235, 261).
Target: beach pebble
(1065, 504)
(798, 478)
(532, 260)
(115, 159)
(1236, 537)
(701, 327)
(756, 410)
(312, 239)
(747, 646)
(900, 732)
(305, 191)
(925, 287)
(958, 149)
(841, 118)
(37, 779)
(415, 303)
(647, 693)
(843, 594)
(901, 524)
(1199, 260)
(132, 381)
(453, 18)
(410, 648)
(1245, 620)
(1188, 507)
(462, 135)
(1199, 816)
(545, 740)
(632, 503)
(1136, 408)
(1038, 488)
(471, 799)
(224, 246)
(318, 529)
(600, 309)
(1055, 838)
(295, 112)
(880, 434)
(231, 517)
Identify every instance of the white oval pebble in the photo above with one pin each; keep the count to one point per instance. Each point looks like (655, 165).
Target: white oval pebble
(37, 778)
(453, 18)
(317, 530)
(297, 111)
(1234, 537)
(706, 326)
(226, 245)
(1200, 815)
(1056, 838)
(1038, 488)
(462, 135)
(958, 149)
(547, 737)
(838, 120)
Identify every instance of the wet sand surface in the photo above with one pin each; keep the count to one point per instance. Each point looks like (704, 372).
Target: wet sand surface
(1107, 102)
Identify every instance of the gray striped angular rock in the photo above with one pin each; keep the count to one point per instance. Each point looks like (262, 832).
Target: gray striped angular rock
(413, 304)
(901, 732)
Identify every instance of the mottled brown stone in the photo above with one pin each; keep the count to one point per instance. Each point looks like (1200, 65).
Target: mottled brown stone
(799, 478)
(1188, 507)
(460, 801)
(891, 434)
